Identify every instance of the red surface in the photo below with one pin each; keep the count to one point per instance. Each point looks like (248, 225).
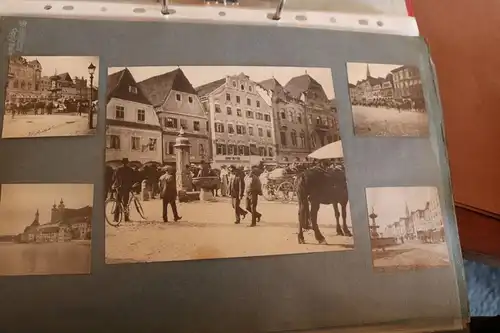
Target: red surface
(409, 7)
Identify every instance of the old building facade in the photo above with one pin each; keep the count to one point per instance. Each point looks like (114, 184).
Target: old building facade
(407, 83)
(177, 106)
(132, 127)
(242, 125)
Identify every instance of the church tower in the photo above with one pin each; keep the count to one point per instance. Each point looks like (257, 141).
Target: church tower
(54, 214)
(61, 210)
(407, 211)
(36, 221)
(368, 71)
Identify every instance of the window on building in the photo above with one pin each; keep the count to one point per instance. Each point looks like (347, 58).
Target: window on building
(16, 84)
(290, 116)
(253, 150)
(269, 133)
(238, 99)
(219, 128)
(270, 151)
(250, 130)
(302, 139)
(113, 142)
(184, 124)
(293, 136)
(228, 97)
(283, 138)
(318, 121)
(299, 118)
(261, 131)
(249, 114)
(267, 117)
(229, 110)
(230, 128)
(171, 148)
(230, 149)
(207, 126)
(136, 143)
(238, 112)
(242, 87)
(178, 97)
(152, 144)
(258, 116)
(247, 151)
(234, 83)
(119, 112)
(170, 122)
(262, 151)
(132, 89)
(240, 129)
(282, 114)
(249, 88)
(141, 115)
(249, 101)
(196, 126)
(201, 150)
(220, 149)
(190, 99)
(217, 108)
(241, 150)
(309, 119)
(257, 103)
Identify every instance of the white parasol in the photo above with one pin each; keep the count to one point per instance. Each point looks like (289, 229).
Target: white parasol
(331, 150)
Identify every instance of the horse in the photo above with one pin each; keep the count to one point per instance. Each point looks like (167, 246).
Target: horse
(315, 187)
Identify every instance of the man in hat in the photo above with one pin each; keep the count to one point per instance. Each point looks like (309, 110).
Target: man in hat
(253, 189)
(236, 190)
(124, 181)
(168, 193)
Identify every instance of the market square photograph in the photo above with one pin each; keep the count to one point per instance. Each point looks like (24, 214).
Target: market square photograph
(45, 229)
(50, 96)
(406, 228)
(223, 162)
(387, 100)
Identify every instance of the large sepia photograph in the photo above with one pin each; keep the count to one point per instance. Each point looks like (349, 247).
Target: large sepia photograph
(406, 228)
(50, 96)
(387, 100)
(45, 229)
(222, 162)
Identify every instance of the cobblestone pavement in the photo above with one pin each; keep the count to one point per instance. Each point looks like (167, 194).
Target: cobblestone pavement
(410, 256)
(207, 230)
(389, 122)
(44, 125)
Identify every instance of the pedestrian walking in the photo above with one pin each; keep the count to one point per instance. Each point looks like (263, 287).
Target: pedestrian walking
(253, 189)
(236, 190)
(124, 182)
(169, 193)
(224, 177)
(79, 109)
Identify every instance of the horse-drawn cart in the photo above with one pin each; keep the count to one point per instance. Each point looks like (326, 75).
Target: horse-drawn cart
(278, 185)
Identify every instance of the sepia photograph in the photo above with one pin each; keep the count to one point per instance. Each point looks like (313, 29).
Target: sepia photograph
(45, 229)
(223, 162)
(406, 228)
(50, 96)
(387, 100)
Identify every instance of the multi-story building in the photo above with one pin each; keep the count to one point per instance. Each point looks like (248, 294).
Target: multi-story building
(177, 106)
(132, 127)
(25, 77)
(290, 125)
(321, 112)
(407, 83)
(241, 120)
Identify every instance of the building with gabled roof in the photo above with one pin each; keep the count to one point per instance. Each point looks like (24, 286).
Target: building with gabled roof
(177, 106)
(133, 129)
(241, 121)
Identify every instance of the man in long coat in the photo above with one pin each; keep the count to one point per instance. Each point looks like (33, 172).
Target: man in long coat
(168, 193)
(236, 190)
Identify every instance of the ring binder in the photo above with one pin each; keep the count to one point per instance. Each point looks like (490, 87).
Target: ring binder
(279, 9)
(164, 7)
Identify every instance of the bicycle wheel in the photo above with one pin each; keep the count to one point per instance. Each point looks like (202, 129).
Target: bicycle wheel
(285, 191)
(138, 208)
(269, 192)
(110, 208)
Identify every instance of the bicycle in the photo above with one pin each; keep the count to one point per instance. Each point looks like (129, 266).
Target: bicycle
(114, 204)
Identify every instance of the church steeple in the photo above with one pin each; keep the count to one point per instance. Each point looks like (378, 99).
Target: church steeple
(36, 221)
(407, 211)
(368, 71)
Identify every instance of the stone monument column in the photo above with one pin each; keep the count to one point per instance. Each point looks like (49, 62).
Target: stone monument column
(183, 178)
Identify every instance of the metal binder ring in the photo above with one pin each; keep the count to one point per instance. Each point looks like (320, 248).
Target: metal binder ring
(279, 9)
(164, 7)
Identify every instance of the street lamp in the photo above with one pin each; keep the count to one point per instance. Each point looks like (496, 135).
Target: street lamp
(91, 69)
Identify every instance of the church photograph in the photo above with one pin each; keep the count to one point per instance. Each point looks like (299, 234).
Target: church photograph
(50, 96)
(45, 229)
(387, 100)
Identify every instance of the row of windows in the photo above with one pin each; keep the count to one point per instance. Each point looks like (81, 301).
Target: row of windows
(136, 143)
(242, 150)
(248, 114)
(241, 129)
(297, 118)
(170, 149)
(242, 86)
(174, 123)
(120, 114)
(238, 100)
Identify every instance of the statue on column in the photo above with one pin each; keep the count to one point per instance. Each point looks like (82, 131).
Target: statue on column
(183, 176)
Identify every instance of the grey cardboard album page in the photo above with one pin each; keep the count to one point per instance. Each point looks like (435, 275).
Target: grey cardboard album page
(213, 178)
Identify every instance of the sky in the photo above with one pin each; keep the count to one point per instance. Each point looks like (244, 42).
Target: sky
(199, 75)
(75, 66)
(19, 202)
(389, 202)
(357, 71)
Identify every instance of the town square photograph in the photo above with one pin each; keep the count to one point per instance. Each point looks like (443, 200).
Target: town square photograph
(223, 162)
(406, 228)
(45, 229)
(50, 96)
(387, 100)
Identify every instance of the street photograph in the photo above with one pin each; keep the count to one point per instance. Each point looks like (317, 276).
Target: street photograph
(406, 228)
(223, 162)
(387, 100)
(45, 229)
(50, 96)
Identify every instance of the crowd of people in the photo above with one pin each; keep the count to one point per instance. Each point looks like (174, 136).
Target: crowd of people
(391, 103)
(42, 106)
